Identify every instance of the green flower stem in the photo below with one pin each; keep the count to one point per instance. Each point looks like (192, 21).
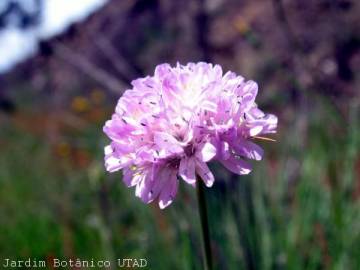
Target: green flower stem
(200, 187)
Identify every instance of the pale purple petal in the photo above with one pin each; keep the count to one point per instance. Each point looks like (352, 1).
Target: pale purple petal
(128, 177)
(205, 174)
(248, 149)
(160, 176)
(169, 191)
(167, 143)
(144, 187)
(224, 150)
(237, 165)
(206, 152)
(187, 170)
(113, 163)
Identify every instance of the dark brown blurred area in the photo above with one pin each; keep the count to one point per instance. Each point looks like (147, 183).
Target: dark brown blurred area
(289, 47)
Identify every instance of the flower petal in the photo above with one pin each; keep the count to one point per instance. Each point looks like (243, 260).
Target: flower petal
(160, 176)
(167, 143)
(205, 174)
(249, 150)
(224, 150)
(187, 170)
(256, 130)
(114, 164)
(251, 89)
(237, 165)
(128, 175)
(169, 191)
(144, 187)
(207, 152)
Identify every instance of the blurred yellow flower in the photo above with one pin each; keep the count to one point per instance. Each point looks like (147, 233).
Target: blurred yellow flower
(241, 25)
(80, 104)
(63, 149)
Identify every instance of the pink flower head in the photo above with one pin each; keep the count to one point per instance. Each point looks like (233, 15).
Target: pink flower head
(173, 123)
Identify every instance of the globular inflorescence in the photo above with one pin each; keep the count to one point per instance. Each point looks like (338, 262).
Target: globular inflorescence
(172, 124)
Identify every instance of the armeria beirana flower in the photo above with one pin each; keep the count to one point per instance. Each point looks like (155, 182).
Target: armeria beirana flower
(171, 124)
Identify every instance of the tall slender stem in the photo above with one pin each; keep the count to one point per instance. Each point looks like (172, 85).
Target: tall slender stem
(200, 187)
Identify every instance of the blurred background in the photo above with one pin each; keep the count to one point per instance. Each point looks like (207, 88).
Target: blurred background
(63, 66)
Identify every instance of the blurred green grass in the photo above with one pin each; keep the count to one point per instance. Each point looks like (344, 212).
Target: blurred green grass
(298, 209)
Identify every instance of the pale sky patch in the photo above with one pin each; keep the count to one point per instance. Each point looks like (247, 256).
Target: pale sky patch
(17, 45)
